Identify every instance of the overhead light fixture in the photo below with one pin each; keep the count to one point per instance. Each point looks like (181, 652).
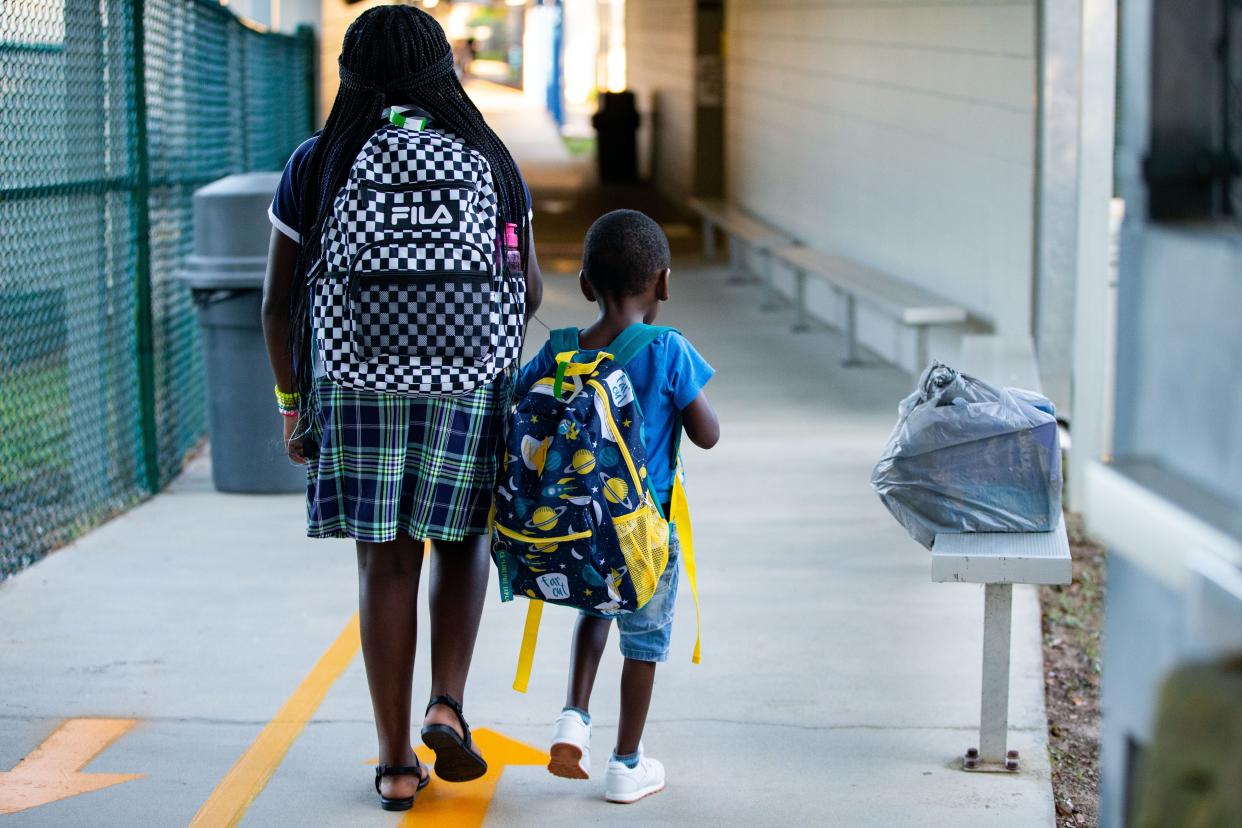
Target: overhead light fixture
(430, 4)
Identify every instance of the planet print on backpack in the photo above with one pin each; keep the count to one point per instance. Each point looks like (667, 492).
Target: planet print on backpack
(545, 517)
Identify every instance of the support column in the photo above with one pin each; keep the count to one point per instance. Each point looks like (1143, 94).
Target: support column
(994, 708)
(993, 753)
(1056, 193)
(800, 322)
(709, 241)
(1091, 410)
(141, 217)
(709, 129)
(850, 329)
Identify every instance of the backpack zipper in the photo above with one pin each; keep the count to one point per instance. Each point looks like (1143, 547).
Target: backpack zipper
(398, 277)
(417, 186)
(518, 536)
(353, 288)
(624, 449)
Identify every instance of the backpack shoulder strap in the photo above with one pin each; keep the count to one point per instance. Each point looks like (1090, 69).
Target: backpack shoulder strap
(563, 339)
(679, 516)
(633, 340)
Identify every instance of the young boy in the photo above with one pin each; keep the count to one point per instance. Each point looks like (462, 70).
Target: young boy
(625, 271)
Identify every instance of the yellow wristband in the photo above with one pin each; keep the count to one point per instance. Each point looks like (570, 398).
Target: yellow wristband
(286, 400)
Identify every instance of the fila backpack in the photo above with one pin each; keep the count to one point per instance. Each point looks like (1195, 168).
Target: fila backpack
(411, 296)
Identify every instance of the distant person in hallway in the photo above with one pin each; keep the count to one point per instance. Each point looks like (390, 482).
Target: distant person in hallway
(626, 273)
(390, 471)
(464, 50)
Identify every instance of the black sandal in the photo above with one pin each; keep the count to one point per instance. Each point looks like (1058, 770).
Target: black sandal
(456, 758)
(402, 803)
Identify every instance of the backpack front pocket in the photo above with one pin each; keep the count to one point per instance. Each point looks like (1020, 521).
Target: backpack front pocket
(426, 297)
(644, 537)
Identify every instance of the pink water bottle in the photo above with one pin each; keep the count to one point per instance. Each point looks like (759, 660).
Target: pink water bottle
(513, 255)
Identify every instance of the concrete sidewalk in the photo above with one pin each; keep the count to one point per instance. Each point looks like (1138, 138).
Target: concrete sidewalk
(838, 684)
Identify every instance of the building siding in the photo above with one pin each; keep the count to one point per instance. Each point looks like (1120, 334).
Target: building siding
(659, 36)
(897, 133)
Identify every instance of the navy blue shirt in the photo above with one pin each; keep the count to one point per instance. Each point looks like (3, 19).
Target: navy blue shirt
(285, 211)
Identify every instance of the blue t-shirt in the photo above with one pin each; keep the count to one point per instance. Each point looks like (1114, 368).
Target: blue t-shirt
(667, 376)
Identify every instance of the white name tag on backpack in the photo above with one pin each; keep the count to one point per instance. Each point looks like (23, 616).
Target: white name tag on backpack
(619, 389)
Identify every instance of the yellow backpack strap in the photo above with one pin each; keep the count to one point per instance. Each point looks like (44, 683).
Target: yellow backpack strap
(679, 515)
(530, 636)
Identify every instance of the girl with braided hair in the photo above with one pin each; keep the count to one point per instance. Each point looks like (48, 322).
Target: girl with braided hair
(389, 471)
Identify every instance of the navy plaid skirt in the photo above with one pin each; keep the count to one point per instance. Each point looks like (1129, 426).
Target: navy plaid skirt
(387, 464)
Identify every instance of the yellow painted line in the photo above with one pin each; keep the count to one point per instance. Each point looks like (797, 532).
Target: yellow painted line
(52, 771)
(230, 800)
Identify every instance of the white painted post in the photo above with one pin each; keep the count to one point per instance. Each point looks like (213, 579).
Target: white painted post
(994, 709)
(1093, 345)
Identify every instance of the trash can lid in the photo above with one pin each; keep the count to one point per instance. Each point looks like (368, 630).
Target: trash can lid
(230, 215)
(224, 273)
(251, 183)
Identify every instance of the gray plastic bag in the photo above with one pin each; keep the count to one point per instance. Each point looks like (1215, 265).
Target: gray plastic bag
(968, 456)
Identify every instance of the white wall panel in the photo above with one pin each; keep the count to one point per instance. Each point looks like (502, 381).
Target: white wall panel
(899, 132)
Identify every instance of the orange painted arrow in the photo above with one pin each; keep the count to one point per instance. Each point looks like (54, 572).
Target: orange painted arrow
(464, 805)
(52, 770)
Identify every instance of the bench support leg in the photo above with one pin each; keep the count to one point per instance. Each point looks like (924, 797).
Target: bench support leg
(709, 241)
(800, 321)
(771, 299)
(851, 332)
(736, 269)
(921, 355)
(738, 262)
(992, 753)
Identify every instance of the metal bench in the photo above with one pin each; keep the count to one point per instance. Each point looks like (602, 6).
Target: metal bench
(744, 230)
(854, 282)
(998, 561)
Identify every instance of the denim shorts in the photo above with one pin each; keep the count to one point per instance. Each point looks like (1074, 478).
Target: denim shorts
(645, 635)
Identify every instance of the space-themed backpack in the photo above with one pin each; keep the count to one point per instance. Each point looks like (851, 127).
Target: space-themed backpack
(575, 519)
(412, 295)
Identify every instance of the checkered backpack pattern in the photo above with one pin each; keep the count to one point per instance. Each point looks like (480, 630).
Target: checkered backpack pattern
(412, 296)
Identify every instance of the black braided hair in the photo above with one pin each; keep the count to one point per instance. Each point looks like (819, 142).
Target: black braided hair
(391, 55)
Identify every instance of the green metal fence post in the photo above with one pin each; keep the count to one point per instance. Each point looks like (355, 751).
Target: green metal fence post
(242, 107)
(145, 340)
(101, 391)
(306, 33)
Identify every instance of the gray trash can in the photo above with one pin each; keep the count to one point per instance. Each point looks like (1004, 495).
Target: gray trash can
(225, 274)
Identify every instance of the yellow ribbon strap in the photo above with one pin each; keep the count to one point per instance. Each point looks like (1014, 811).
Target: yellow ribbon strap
(530, 635)
(576, 368)
(679, 514)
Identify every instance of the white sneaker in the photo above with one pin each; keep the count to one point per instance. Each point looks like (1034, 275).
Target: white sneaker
(571, 747)
(625, 785)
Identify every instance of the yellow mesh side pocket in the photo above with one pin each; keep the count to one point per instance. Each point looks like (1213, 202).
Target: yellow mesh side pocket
(643, 536)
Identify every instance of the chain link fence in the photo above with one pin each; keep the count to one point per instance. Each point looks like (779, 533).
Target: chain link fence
(112, 113)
